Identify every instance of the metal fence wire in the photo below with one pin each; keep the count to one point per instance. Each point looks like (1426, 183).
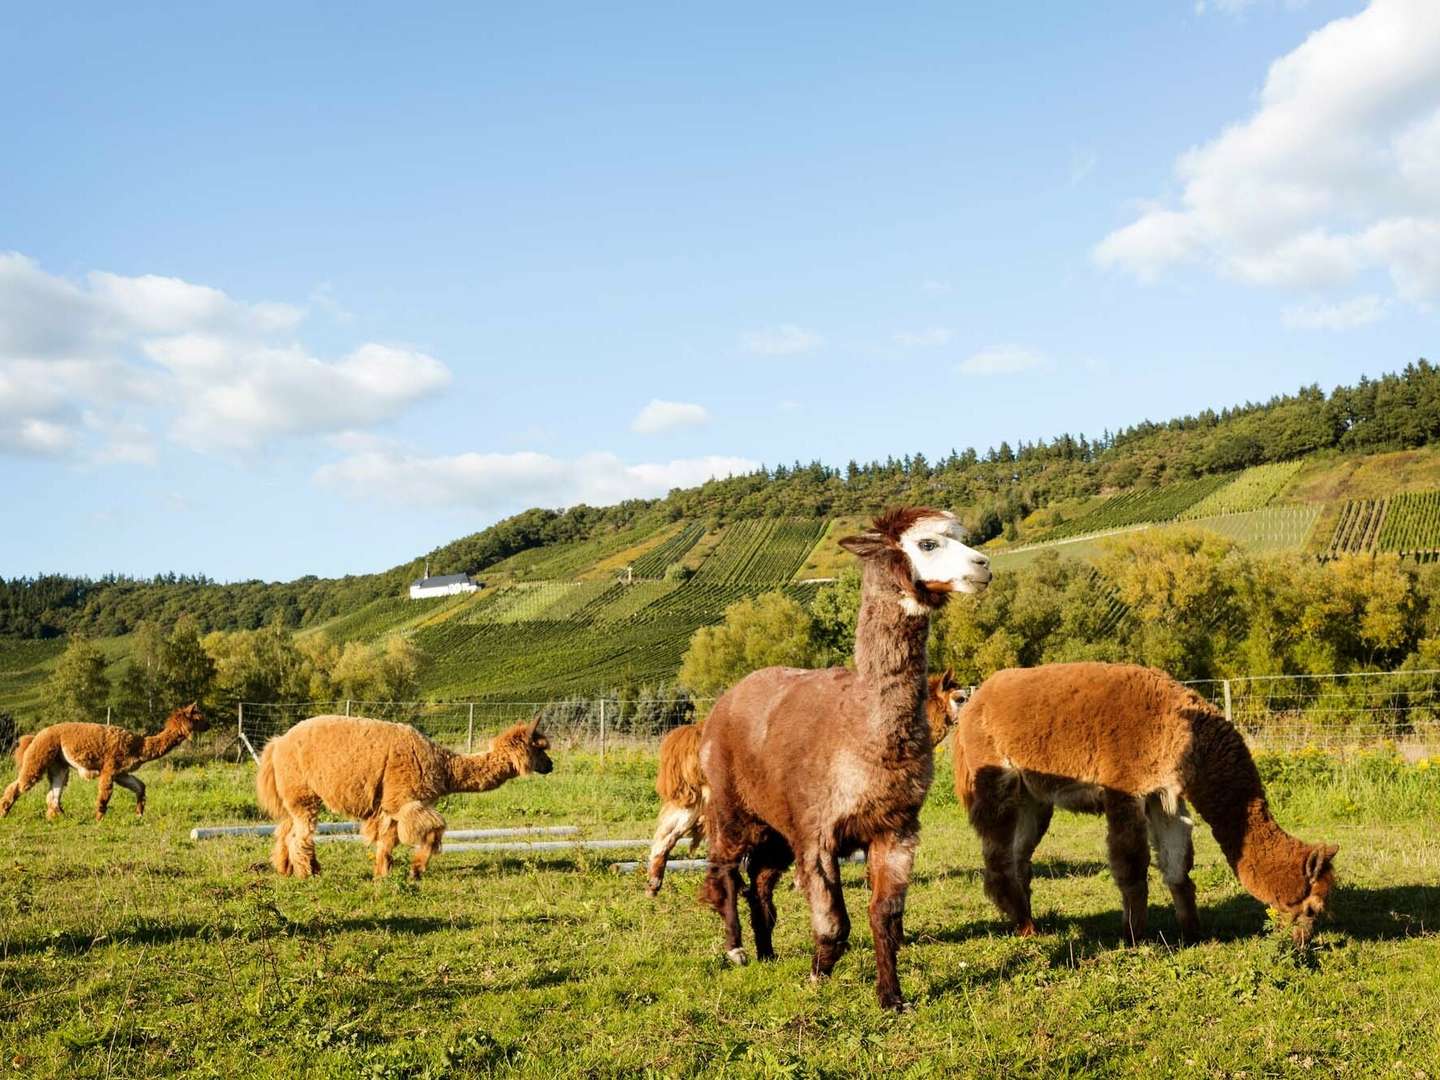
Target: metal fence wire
(1275, 712)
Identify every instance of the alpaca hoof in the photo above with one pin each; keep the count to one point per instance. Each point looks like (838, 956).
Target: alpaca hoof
(896, 1004)
(1026, 929)
(737, 957)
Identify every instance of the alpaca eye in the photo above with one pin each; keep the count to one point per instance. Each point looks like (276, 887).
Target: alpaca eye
(928, 545)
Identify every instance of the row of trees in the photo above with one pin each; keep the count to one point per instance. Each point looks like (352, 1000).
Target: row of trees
(1189, 602)
(167, 669)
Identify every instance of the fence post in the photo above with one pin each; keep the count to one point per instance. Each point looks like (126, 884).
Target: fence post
(602, 731)
(1228, 717)
(470, 731)
(347, 706)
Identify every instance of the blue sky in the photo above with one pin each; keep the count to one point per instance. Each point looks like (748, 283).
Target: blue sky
(301, 289)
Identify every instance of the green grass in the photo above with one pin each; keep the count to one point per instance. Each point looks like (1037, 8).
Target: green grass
(24, 667)
(128, 950)
(1253, 489)
(1276, 528)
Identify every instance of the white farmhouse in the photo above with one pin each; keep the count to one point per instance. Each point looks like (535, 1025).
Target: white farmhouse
(443, 585)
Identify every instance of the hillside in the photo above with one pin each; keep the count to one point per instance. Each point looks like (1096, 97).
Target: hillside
(590, 598)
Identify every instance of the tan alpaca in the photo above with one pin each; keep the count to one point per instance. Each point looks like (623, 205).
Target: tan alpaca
(98, 752)
(387, 776)
(681, 784)
(1133, 744)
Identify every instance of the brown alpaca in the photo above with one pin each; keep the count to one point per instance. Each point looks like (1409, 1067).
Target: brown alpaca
(97, 751)
(387, 776)
(681, 785)
(1133, 744)
(811, 765)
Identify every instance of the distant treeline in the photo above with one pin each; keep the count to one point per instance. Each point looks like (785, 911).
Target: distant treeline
(995, 489)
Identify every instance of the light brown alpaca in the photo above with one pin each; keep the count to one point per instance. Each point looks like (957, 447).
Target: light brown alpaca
(811, 765)
(681, 784)
(98, 752)
(387, 776)
(1133, 744)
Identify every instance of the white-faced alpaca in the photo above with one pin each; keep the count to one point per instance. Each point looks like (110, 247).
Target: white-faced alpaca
(387, 776)
(100, 752)
(1133, 744)
(681, 785)
(811, 765)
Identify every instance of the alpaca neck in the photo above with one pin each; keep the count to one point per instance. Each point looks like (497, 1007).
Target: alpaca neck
(890, 656)
(480, 772)
(161, 743)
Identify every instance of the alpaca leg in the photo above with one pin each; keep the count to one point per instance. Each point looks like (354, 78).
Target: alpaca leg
(303, 861)
(59, 774)
(427, 847)
(420, 825)
(729, 833)
(1170, 836)
(675, 822)
(130, 783)
(995, 814)
(1129, 859)
(30, 773)
(280, 853)
(817, 873)
(1031, 822)
(768, 862)
(385, 841)
(103, 791)
(890, 860)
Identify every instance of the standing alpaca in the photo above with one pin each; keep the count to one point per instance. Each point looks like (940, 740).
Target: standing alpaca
(97, 751)
(387, 776)
(681, 784)
(1133, 744)
(811, 765)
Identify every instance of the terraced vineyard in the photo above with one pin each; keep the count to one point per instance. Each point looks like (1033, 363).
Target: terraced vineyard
(558, 562)
(1411, 523)
(1278, 528)
(1358, 527)
(653, 563)
(1146, 506)
(1253, 489)
(761, 550)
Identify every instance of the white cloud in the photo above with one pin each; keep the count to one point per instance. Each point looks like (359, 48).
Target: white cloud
(1346, 315)
(501, 481)
(1336, 174)
(1238, 7)
(89, 368)
(784, 340)
(660, 416)
(1002, 360)
(919, 339)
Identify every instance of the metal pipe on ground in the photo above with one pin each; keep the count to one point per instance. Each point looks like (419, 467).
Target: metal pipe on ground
(340, 829)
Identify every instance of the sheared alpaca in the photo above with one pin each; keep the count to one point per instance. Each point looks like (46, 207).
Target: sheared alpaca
(681, 785)
(811, 765)
(1133, 744)
(98, 752)
(388, 776)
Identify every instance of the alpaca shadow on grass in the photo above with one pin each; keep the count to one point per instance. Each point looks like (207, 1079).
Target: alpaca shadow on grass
(1044, 869)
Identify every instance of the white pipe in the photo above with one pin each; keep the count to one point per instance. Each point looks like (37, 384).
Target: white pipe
(673, 864)
(337, 828)
(549, 845)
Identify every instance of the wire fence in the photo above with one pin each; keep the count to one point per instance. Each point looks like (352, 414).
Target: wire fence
(1336, 712)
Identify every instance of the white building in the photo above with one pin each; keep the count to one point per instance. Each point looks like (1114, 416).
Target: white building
(444, 585)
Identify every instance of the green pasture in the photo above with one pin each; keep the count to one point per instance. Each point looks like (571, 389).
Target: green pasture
(128, 950)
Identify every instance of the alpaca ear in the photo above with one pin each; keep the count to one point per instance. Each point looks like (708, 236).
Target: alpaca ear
(534, 728)
(1317, 860)
(866, 545)
(947, 681)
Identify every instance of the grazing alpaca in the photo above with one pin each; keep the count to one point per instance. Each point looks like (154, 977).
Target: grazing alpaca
(681, 785)
(812, 765)
(387, 776)
(1133, 744)
(97, 751)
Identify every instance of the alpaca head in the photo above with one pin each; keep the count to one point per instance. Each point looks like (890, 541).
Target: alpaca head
(187, 718)
(524, 745)
(1310, 892)
(924, 552)
(943, 703)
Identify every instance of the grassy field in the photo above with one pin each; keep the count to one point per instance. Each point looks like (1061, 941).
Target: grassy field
(1372, 476)
(128, 950)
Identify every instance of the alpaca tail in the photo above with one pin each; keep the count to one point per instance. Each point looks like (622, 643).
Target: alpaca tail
(680, 781)
(21, 746)
(267, 793)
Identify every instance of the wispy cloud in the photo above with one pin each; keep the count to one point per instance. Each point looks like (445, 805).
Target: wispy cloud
(787, 339)
(1002, 360)
(921, 339)
(660, 416)
(1346, 315)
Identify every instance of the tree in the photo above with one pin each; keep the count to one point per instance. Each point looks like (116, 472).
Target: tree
(78, 688)
(769, 630)
(836, 609)
(188, 670)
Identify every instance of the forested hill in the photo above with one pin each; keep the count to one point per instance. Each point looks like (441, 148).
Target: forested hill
(1024, 492)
